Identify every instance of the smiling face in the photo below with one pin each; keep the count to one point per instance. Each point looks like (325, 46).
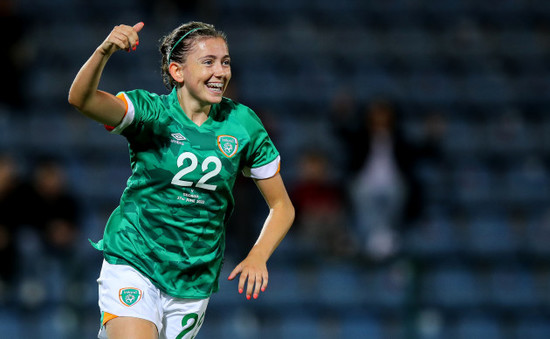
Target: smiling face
(206, 71)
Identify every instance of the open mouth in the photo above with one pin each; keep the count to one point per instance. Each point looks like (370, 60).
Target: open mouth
(216, 87)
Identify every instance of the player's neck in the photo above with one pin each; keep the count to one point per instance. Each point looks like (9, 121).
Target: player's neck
(198, 118)
(194, 110)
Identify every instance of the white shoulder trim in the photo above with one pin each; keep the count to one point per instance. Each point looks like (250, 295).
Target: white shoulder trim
(128, 117)
(265, 171)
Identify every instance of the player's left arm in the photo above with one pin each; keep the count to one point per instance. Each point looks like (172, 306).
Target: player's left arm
(253, 269)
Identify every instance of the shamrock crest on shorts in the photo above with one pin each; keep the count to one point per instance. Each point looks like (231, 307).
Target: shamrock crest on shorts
(129, 296)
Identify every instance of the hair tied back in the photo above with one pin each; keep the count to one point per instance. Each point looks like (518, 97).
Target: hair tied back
(180, 39)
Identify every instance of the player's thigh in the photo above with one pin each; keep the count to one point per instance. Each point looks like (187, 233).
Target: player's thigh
(130, 328)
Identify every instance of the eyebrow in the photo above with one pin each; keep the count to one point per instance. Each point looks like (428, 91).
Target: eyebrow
(214, 57)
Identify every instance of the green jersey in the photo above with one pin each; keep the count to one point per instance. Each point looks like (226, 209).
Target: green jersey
(170, 224)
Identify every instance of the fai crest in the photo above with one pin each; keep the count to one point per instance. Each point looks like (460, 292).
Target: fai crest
(228, 145)
(129, 296)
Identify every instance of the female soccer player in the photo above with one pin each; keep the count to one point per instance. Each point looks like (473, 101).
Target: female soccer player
(163, 245)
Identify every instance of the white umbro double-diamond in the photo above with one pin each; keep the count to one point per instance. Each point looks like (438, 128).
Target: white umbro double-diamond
(178, 136)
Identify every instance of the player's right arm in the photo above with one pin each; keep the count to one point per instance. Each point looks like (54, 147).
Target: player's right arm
(84, 93)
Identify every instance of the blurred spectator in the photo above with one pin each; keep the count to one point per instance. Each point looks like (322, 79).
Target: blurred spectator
(47, 238)
(11, 208)
(434, 131)
(384, 188)
(320, 203)
(343, 121)
(343, 110)
(55, 208)
(11, 65)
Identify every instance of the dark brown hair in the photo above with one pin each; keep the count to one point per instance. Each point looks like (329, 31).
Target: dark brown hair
(172, 48)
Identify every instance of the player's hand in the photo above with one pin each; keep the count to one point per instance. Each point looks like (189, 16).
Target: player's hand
(253, 271)
(122, 37)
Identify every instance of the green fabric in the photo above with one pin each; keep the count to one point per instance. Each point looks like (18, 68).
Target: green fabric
(170, 224)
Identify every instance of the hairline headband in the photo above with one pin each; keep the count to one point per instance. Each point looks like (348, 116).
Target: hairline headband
(180, 39)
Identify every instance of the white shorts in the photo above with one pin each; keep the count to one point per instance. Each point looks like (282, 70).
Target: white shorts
(123, 291)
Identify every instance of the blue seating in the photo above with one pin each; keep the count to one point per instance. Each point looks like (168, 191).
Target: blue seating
(300, 326)
(10, 324)
(57, 322)
(462, 137)
(390, 286)
(527, 183)
(488, 88)
(532, 328)
(478, 327)
(239, 323)
(513, 288)
(361, 327)
(368, 82)
(433, 237)
(428, 86)
(537, 233)
(340, 286)
(454, 288)
(491, 235)
(473, 181)
(286, 289)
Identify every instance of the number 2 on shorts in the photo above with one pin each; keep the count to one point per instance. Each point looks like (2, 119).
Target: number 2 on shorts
(189, 327)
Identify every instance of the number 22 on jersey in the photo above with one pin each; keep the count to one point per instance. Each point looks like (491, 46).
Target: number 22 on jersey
(211, 171)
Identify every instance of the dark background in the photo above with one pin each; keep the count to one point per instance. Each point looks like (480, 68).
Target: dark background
(468, 82)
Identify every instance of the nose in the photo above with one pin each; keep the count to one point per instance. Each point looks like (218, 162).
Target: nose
(221, 70)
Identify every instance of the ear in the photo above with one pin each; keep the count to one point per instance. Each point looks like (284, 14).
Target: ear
(176, 71)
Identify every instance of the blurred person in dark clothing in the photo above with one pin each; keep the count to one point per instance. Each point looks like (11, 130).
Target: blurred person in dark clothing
(11, 65)
(384, 190)
(320, 202)
(46, 231)
(55, 209)
(344, 115)
(11, 208)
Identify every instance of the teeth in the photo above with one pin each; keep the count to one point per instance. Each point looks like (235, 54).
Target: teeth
(215, 85)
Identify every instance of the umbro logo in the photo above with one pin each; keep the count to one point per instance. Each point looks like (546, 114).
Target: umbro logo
(178, 138)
